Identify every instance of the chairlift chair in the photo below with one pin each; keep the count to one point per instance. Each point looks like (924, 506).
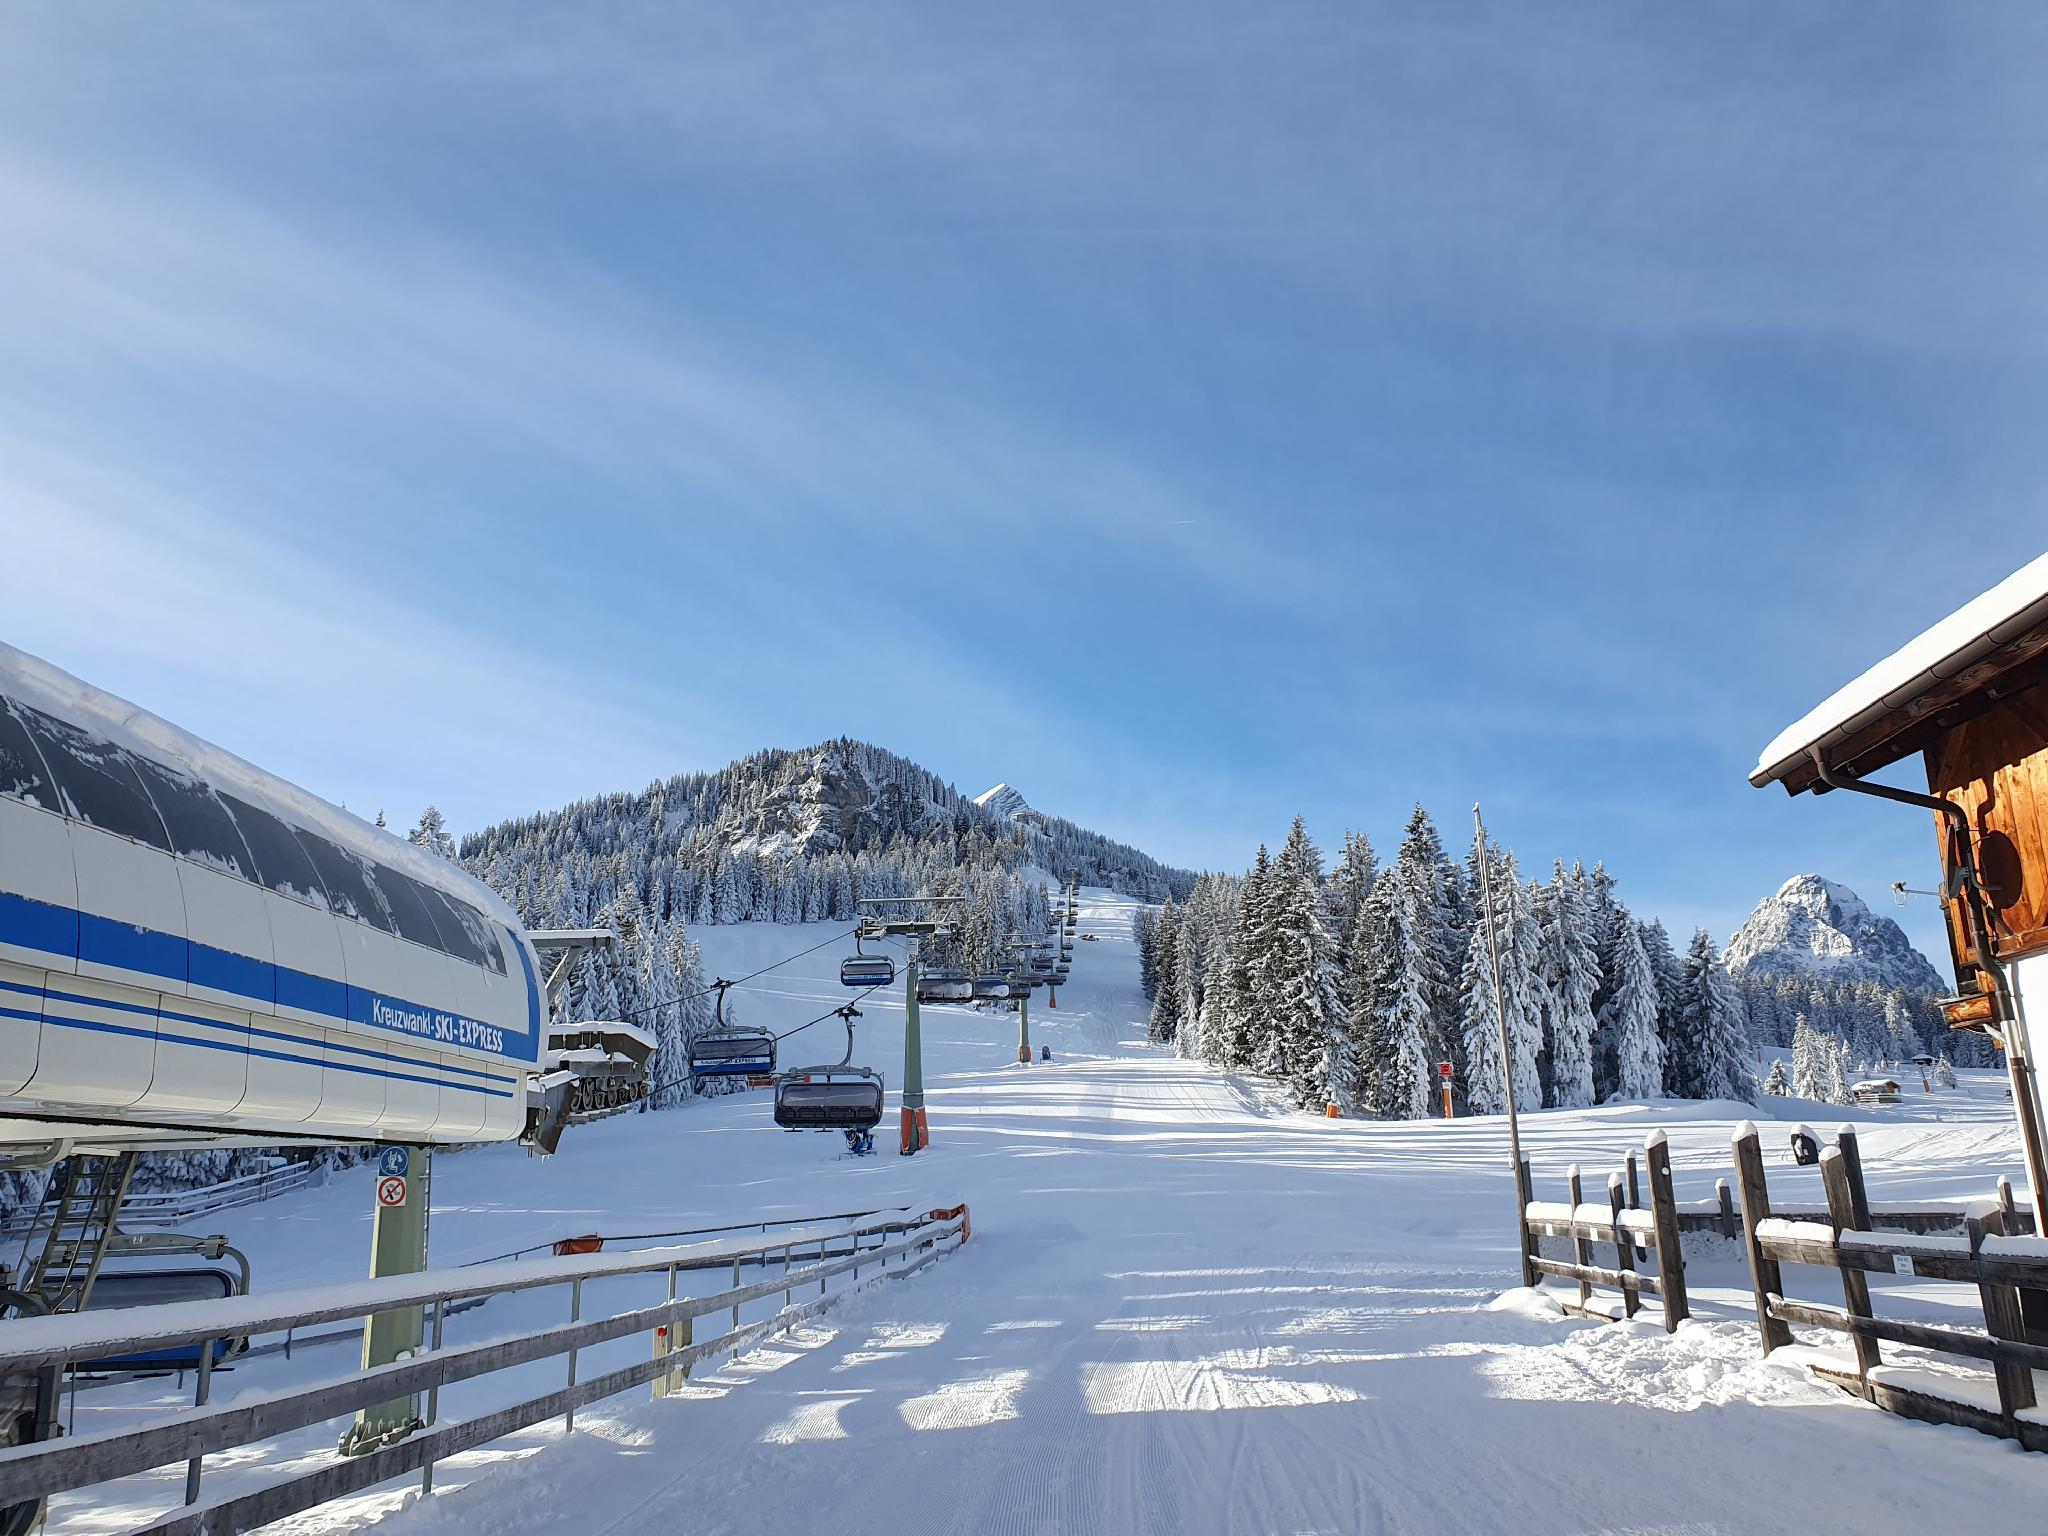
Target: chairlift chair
(837, 1097)
(864, 970)
(991, 988)
(746, 1053)
(153, 1287)
(944, 987)
(840, 1098)
(729, 1052)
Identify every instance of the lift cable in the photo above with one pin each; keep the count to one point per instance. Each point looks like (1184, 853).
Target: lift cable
(677, 1002)
(832, 1013)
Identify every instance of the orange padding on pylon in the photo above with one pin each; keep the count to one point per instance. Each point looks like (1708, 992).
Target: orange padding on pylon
(966, 1225)
(567, 1245)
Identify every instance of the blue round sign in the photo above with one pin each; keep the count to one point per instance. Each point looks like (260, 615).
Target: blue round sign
(396, 1163)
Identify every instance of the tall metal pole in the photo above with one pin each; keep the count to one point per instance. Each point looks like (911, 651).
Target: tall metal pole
(1024, 1026)
(916, 1133)
(1507, 1061)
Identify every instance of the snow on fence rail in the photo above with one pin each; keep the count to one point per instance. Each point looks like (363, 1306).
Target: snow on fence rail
(1989, 1253)
(173, 1207)
(33, 1472)
(1622, 1222)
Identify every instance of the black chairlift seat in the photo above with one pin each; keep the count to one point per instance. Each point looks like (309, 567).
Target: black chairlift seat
(867, 971)
(991, 988)
(944, 987)
(829, 1099)
(739, 1054)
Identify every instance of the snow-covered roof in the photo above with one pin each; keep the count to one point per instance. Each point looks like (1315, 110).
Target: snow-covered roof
(37, 683)
(1980, 627)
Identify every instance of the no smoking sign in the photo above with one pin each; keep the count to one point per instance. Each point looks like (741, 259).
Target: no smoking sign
(391, 1191)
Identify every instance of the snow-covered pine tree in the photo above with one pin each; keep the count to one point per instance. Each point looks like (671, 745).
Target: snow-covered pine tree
(1299, 975)
(1670, 976)
(1344, 893)
(1711, 1061)
(1774, 1082)
(1521, 994)
(1630, 1021)
(1389, 1014)
(1145, 934)
(1572, 966)
(1902, 1039)
(431, 833)
(1164, 1023)
(1834, 1054)
(1809, 1069)
(1368, 954)
(1944, 1073)
(1247, 1022)
(1431, 902)
(1191, 942)
(1213, 1026)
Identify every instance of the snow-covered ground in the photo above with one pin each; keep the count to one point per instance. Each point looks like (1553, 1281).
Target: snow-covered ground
(1185, 1309)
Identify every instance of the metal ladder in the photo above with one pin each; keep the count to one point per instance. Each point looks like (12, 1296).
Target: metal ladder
(89, 1194)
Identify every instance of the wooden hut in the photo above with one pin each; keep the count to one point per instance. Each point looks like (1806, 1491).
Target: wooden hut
(1970, 697)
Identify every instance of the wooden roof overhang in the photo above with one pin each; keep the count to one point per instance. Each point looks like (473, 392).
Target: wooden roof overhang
(1964, 667)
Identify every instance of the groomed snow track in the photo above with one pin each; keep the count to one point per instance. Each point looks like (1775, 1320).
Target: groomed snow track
(1185, 1309)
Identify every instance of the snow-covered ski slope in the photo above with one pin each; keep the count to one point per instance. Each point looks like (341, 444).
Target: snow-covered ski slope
(1185, 1309)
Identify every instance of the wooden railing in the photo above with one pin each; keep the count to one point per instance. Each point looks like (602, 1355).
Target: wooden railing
(886, 1244)
(1634, 1232)
(1985, 1254)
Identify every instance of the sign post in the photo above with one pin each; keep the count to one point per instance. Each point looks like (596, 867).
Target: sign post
(398, 1246)
(1443, 1073)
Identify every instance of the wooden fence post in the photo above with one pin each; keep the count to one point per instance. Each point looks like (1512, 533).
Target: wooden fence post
(1726, 1199)
(2002, 1321)
(2007, 1209)
(1624, 1249)
(1834, 1177)
(1664, 1206)
(1764, 1278)
(1582, 1251)
(1852, 1169)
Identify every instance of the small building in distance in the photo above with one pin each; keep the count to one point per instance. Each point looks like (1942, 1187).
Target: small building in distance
(1970, 699)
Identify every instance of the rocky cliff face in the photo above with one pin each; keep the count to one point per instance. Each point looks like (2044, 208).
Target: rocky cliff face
(1814, 927)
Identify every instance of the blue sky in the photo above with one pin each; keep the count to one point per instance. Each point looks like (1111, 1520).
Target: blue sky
(1191, 414)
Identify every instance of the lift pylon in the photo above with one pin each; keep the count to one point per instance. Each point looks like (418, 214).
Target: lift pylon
(879, 924)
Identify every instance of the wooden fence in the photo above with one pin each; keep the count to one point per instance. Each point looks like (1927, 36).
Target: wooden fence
(887, 1244)
(1988, 1253)
(1634, 1232)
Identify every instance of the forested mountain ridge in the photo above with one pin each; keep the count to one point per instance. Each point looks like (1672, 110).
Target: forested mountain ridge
(836, 807)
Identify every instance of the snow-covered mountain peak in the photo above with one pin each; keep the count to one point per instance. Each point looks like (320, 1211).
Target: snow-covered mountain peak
(1817, 927)
(1003, 800)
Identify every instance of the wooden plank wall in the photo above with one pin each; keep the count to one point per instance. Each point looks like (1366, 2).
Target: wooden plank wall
(1996, 768)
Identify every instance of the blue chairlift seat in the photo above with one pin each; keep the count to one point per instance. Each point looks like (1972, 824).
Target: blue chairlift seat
(867, 971)
(153, 1287)
(738, 1054)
